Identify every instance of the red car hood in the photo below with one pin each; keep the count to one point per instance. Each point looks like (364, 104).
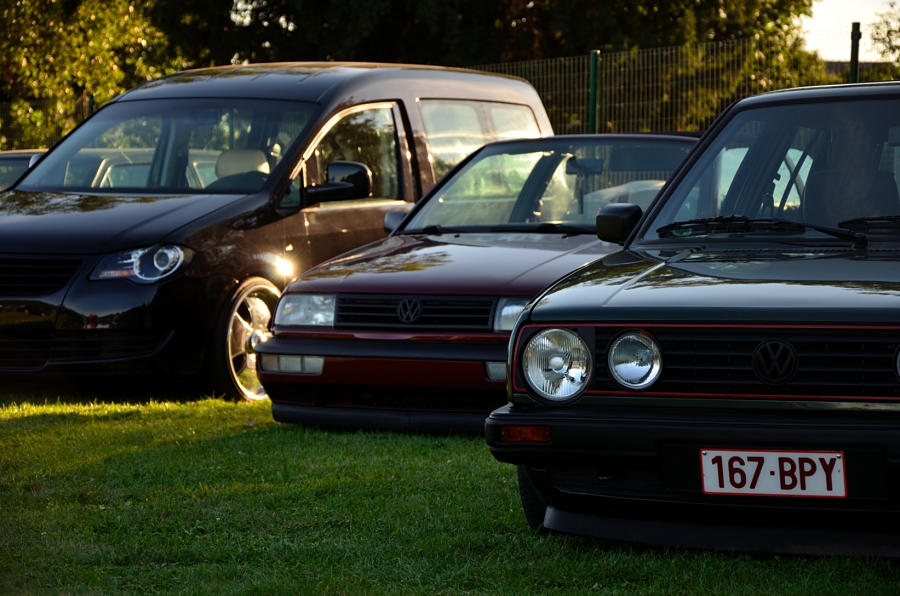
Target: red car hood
(473, 264)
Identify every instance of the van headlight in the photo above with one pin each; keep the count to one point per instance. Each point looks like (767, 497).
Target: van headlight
(143, 264)
(305, 310)
(557, 364)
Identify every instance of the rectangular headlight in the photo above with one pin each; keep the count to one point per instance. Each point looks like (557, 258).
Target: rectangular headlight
(508, 311)
(306, 310)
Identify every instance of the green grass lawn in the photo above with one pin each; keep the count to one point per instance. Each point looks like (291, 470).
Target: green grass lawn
(210, 497)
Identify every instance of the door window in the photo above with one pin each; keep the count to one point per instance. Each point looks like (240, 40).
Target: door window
(512, 121)
(368, 136)
(457, 128)
(454, 131)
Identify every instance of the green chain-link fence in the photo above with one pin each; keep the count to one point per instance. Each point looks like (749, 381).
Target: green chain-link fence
(684, 87)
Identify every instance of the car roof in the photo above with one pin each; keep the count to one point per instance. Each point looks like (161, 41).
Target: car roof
(318, 81)
(555, 140)
(21, 152)
(884, 89)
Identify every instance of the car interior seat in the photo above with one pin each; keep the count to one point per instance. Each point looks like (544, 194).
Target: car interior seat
(240, 161)
(833, 196)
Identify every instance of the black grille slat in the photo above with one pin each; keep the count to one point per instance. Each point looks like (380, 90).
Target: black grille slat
(35, 276)
(437, 312)
(832, 362)
(35, 350)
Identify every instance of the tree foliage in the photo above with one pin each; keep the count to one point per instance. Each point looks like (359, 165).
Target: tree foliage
(469, 32)
(66, 50)
(886, 35)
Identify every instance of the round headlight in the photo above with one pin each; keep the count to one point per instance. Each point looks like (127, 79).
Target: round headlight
(897, 362)
(635, 360)
(557, 364)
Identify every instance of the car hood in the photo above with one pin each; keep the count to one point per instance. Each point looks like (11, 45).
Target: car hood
(508, 264)
(794, 285)
(47, 223)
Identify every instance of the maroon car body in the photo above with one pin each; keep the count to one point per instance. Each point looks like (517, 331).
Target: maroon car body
(417, 339)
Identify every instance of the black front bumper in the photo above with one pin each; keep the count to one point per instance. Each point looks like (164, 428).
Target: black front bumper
(398, 385)
(630, 473)
(371, 419)
(111, 327)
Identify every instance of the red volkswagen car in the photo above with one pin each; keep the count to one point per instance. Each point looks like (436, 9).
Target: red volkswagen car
(387, 336)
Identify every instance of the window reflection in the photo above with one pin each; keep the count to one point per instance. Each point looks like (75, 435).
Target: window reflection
(185, 146)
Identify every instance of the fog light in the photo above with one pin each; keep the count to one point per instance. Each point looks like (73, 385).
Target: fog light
(269, 361)
(496, 371)
(313, 365)
(293, 364)
(290, 363)
(525, 434)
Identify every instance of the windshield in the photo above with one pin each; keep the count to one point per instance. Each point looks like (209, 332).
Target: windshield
(547, 185)
(820, 166)
(11, 167)
(185, 146)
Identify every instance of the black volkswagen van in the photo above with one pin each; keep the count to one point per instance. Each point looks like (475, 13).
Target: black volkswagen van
(156, 237)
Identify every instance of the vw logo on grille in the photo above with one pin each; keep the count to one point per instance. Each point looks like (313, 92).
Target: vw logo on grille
(409, 310)
(775, 361)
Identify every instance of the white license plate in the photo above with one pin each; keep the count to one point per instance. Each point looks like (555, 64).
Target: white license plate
(773, 473)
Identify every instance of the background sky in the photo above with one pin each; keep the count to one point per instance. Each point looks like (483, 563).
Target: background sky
(823, 30)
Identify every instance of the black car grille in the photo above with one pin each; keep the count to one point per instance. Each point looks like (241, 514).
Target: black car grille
(28, 352)
(432, 312)
(831, 362)
(35, 276)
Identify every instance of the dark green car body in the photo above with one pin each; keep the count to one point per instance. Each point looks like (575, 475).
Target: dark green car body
(760, 411)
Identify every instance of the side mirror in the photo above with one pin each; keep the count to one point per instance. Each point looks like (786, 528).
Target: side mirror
(616, 221)
(347, 180)
(34, 159)
(392, 220)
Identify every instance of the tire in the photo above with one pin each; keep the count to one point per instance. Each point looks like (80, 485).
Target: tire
(232, 364)
(533, 504)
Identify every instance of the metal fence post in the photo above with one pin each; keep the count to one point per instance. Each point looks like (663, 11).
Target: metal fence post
(90, 104)
(855, 36)
(592, 95)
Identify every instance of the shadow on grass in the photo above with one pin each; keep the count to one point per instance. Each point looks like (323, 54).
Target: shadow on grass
(340, 512)
(176, 500)
(131, 389)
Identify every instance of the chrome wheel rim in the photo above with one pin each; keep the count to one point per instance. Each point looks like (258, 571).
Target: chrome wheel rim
(248, 323)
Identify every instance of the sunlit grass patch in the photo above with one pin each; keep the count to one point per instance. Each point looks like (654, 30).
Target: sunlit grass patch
(203, 496)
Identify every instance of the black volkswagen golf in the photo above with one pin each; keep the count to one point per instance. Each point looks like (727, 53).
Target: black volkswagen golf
(730, 379)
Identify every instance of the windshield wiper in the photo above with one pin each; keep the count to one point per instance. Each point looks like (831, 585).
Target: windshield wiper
(875, 222)
(744, 224)
(545, 228)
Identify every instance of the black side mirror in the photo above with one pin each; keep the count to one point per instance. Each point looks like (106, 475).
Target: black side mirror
(616, 221)
(347, 180)
(392, 220)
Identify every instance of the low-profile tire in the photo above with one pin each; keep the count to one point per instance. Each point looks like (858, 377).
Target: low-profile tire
(232, 364)
(532, 504)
